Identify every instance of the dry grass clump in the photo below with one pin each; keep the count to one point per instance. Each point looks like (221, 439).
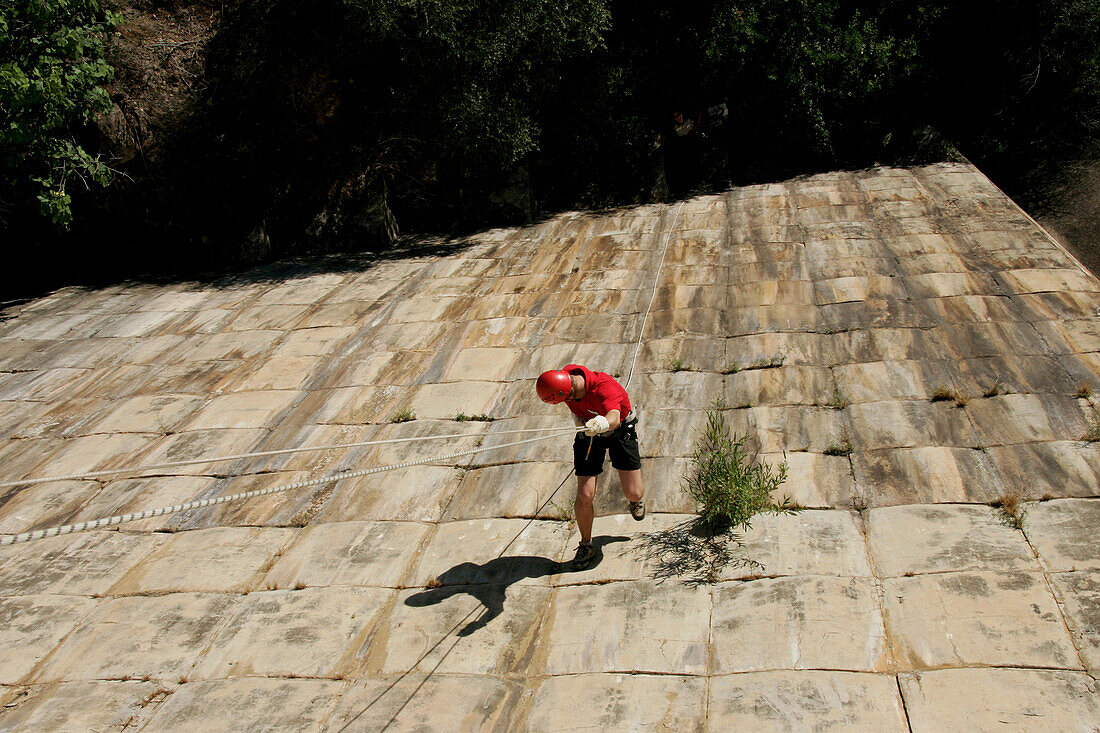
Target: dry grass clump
(1012, 510)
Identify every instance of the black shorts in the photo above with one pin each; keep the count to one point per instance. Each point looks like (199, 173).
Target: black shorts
(621, 444)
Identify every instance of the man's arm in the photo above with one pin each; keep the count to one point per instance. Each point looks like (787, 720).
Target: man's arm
(614, 419)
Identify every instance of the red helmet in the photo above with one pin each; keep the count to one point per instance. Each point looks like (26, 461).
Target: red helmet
(554, 386)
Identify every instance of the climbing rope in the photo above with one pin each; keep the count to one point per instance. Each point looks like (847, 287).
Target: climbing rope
(653, 295)
(119, 519)
(239, 456)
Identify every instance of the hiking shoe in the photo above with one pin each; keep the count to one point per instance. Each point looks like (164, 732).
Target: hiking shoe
(637, 510)
(586, 553)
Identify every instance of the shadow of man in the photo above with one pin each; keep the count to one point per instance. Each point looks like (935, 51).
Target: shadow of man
(488, 582)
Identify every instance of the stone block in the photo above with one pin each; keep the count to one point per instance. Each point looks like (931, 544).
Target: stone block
(1006, 618)
(445, 401)
(667, 625)
(892, 380)
(900, 424)
(1025, 418)
(137, 637)
(419, 702)
(419, 493)
(619, 703)
(315, 632)
(129, 496)
(905, 540)
(44, 505)
(223, 560)
(348, 553)
(929, 475)
(281, 373)
(84, 563)
(805, 700)
(1063, 533)
(31, 627)
(797, 428)
(497, 551)
(249, 704)
(256, 409)
(466, 629)
(480, 364)
(321, 341)
(148, 414)
(999, 699)
(1049, 280)
(1057, 468)
(772, 387)
(805, 622)
(513, 489)
(194, 444)
(78, 707)
(1079, 594)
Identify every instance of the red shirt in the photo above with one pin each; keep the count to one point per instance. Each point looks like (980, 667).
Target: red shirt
(602, 394)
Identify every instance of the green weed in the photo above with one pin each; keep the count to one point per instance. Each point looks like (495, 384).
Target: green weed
(405, 415)
(463, 417)
(728, 484)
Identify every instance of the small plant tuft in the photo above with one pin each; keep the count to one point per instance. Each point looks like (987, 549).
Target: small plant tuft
(946, 394)
(434, 583)
(998, 388)
(839, 400)
(678, 365)
(463, 417)
(1084, 391)
(563, 513)
(405, 415)
(843, 447)
(732, 368)
(728, 484)
(1012, 511)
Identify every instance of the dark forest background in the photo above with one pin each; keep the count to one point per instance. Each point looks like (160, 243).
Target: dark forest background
(177, 137)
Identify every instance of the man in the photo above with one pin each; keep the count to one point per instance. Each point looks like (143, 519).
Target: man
(602, 407)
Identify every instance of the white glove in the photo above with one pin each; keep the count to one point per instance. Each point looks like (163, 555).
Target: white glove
(597, 425)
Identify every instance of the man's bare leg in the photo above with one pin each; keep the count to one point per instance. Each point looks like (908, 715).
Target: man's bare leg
(631, 481)
(582, 506)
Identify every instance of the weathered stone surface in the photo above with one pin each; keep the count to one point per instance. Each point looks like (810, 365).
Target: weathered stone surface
(242, 409)
(932, 474)
(313, 632)
(513, 489)
(1063, 532)
(825, 311)
(498, 551)
(998, 699)
(45, 505)
(77, 707)
(618, 702)
(32, 626)
(469, 629)
(133, 638)
(87, 563)
(348, 553)
(148, 414)
(223, 559)
(806, 622)
(1052, 469)
(248, 704)
(1079, 593)
(819, 701)
(419, 493)
(948, 620)
(416, 702)
(930, 539)
(666, 625)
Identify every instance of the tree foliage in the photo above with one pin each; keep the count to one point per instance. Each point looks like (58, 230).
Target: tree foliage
(51, 75)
